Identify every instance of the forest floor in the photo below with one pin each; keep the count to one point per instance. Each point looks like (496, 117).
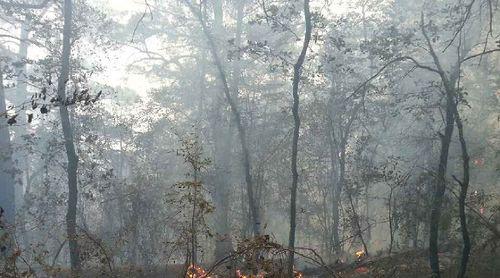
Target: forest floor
(484, 263)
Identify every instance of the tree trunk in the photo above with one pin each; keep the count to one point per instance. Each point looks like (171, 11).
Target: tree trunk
(7, 182)
(194, 233)
(359, 231)
(440, 185)
(21, 96)
(335, 246)
(337, 198)
(391, 221)
(223, 142)
(68, 142)
(464, 186)
(440, 188)
(254, 211)
(297, 70)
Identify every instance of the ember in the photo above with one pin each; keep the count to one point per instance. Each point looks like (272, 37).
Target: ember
(479, 162)
(362, 269)
(239, 274)
(360, 254)
(195, 271)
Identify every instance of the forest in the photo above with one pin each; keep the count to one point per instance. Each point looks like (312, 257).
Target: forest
(249, 138)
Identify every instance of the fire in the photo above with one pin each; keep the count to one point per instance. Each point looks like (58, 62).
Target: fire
(360, 254)
(195, 271)
(478, 162)
(239, 274)
(362, 269)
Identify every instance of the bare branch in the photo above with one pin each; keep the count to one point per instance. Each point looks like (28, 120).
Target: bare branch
(381, 70)
(148, 7)
(480, 54)
(462, 24)
(432, 52)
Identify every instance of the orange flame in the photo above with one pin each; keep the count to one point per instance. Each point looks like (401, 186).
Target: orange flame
(360, 254)
(239, 274)
(195, 271)
(478, 162)
(362, 269)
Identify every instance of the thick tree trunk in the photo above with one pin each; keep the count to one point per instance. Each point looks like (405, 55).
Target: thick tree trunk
(68, 142)
(297, 70)
(21, 96)
(7, 183)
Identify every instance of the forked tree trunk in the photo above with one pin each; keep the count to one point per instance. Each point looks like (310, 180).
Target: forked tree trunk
(69, 145)
(448, 82)
(440, 186)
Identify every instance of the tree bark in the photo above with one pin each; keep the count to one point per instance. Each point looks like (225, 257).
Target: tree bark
(297, 70)
(69, 145)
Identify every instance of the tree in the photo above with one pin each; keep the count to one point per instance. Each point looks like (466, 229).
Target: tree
(254, 212)
(7, 182)
(297, 69)
(72, 164)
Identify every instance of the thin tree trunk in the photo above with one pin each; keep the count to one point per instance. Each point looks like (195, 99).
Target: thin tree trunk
(464, 186)
(359, 231)
(440, 188)
(337, 199)
(194, 241)
(391, 221)
(68, 142)
(224, 241)
(297, 70)
(334, 237)
(237, 119)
